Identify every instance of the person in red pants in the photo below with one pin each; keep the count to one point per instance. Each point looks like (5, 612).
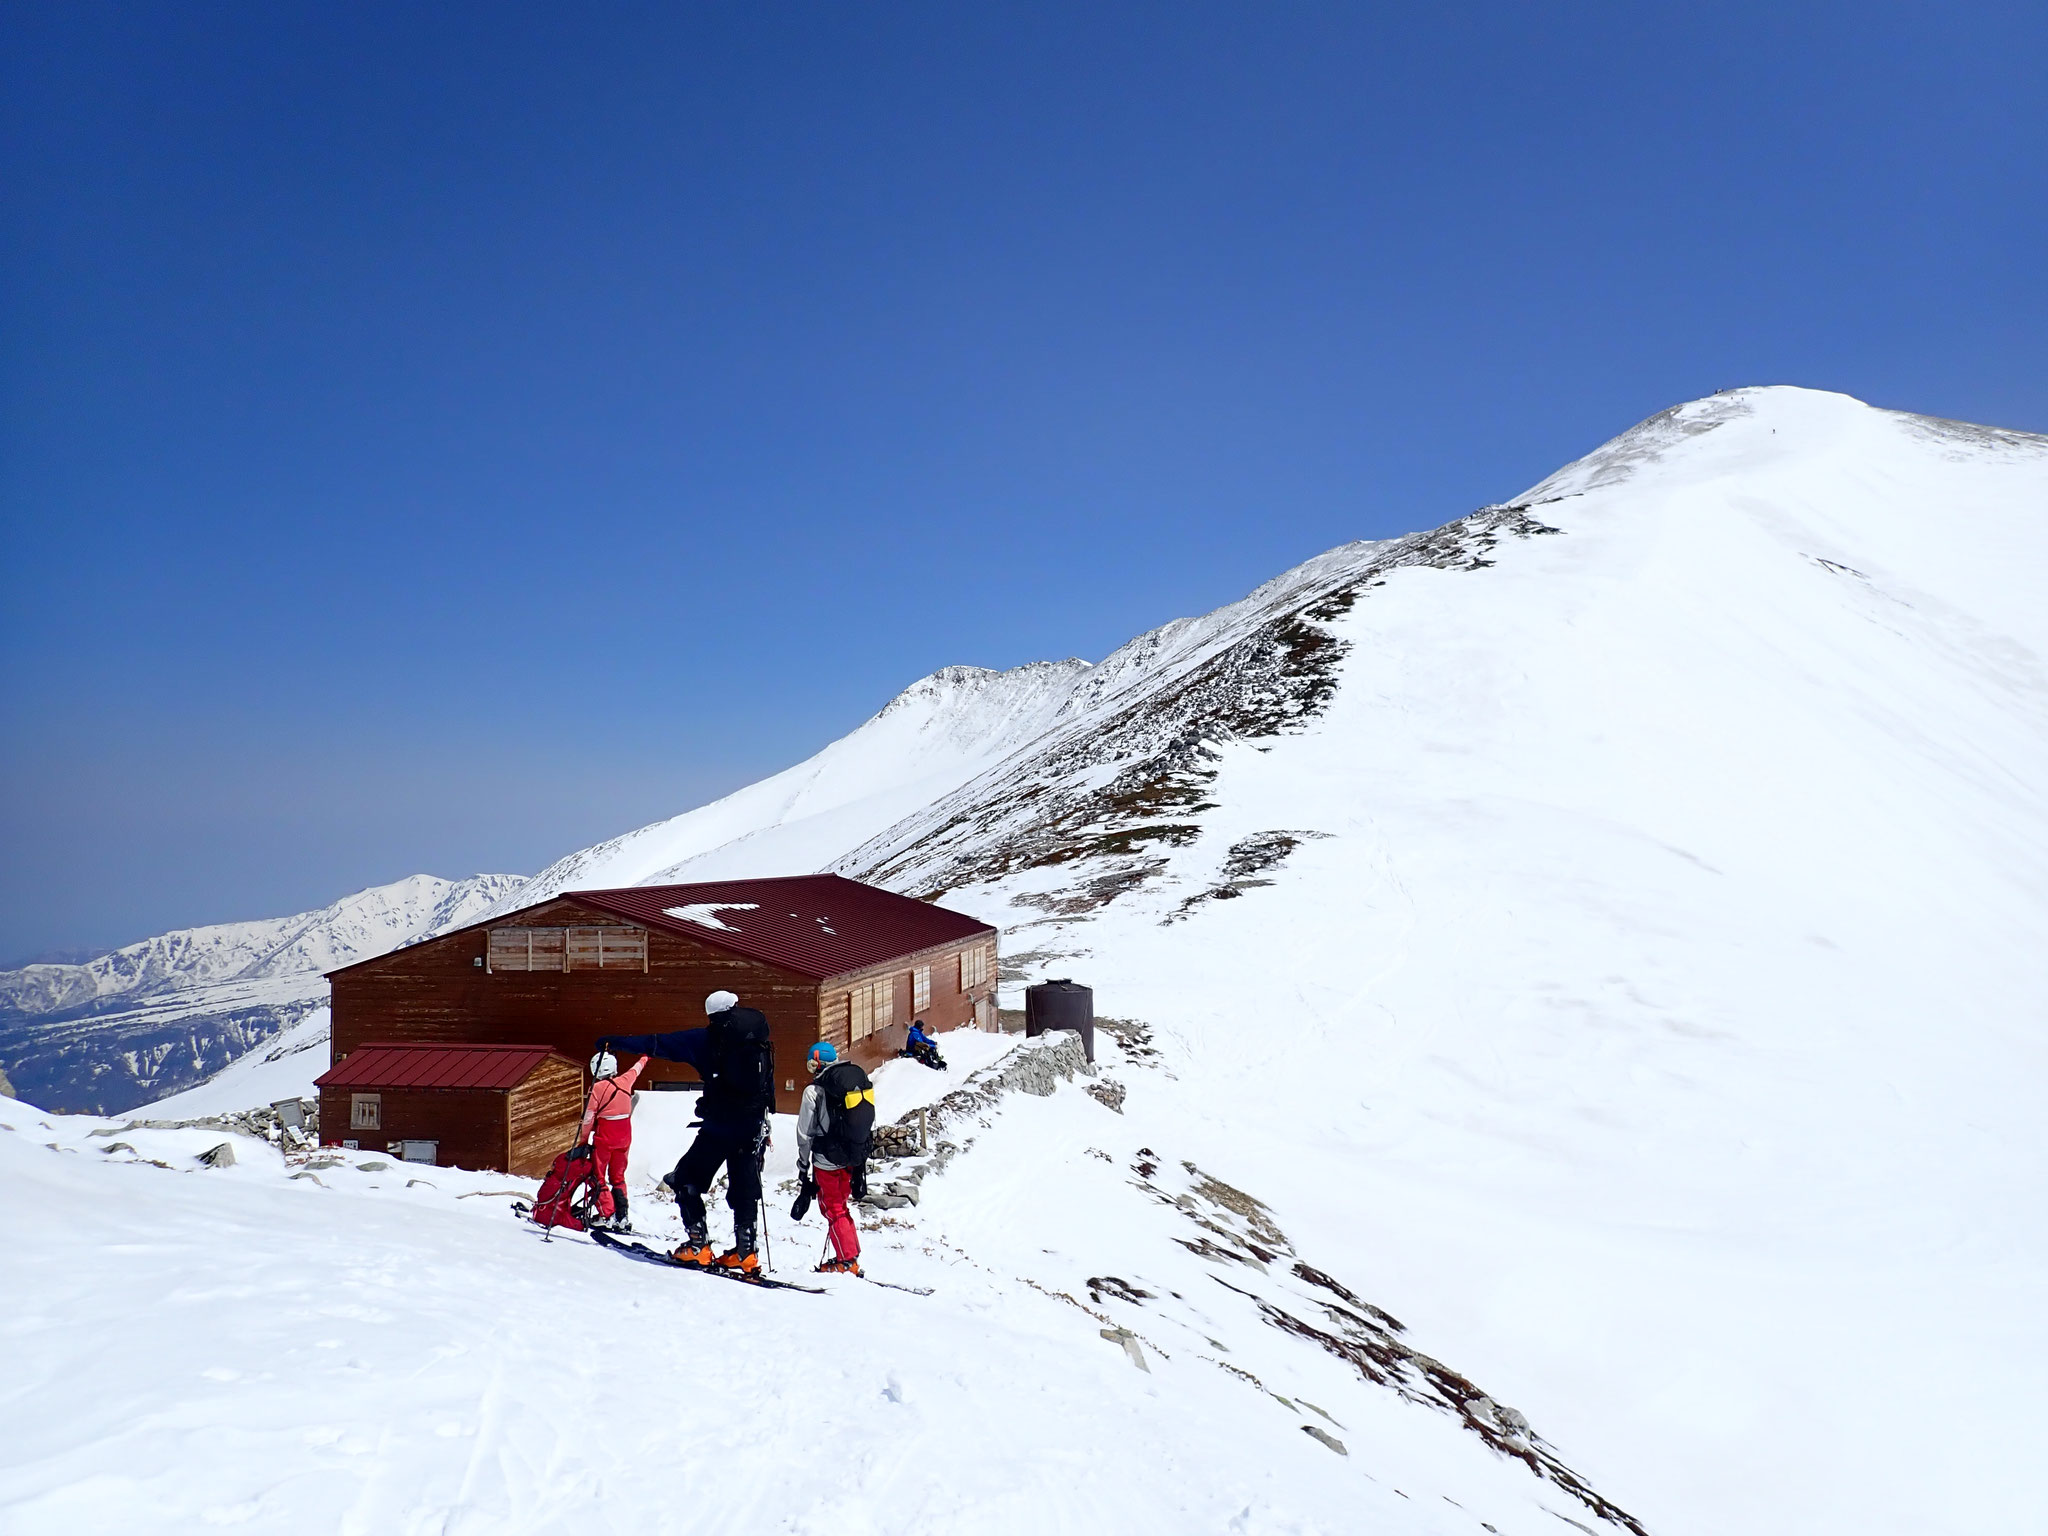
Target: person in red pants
(608, 1127)
(834, 1127)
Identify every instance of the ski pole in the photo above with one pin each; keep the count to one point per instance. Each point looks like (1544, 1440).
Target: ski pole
(767, 1248)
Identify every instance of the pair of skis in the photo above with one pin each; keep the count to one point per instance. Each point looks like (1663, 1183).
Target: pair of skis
(647, 1255)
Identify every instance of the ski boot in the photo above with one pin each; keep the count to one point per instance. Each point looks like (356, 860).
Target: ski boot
(738, 1261)
(740, 1258)
(696, 1251)
(840, 1267)
(620, 1222)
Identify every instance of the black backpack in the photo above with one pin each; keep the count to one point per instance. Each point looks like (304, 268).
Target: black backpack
(849, 1100)
(741, 1075)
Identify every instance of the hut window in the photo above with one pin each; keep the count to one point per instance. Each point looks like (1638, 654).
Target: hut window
(365, 1111)
(527, 949)
(920, 989)
(870, 1007)
(610, 949)
(973, 967)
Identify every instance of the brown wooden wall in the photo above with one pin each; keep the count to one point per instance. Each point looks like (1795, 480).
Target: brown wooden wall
(437, 992)
(469, 1123)
(950, 1008)
(541, 1117)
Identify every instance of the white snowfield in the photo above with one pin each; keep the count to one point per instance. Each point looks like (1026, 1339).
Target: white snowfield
(1611, 945)
(377, 1347)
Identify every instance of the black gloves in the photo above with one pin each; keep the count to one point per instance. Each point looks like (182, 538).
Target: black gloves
(807, 1191)
(860, 1182)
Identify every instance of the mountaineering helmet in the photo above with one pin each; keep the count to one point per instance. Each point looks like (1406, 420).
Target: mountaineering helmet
(604, 1064)
(718, 1002)
(822, 1055)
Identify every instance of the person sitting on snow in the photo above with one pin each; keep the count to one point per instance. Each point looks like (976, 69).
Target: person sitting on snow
(834, 1127)
(920, 1046)
(610, 1115)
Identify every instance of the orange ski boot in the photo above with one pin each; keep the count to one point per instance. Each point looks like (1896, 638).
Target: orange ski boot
(840, 1267)
(696, 1252)
(740, 1261)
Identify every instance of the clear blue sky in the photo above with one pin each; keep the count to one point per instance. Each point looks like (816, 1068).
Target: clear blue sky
(439, 436)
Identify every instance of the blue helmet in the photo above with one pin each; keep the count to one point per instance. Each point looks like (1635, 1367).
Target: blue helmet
(823, 1053)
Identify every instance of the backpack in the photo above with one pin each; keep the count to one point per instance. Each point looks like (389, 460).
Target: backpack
(568, 1195)
(740, 1068)
(849, 1099)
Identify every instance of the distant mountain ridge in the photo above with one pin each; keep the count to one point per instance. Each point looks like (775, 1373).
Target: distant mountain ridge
(151, 1018)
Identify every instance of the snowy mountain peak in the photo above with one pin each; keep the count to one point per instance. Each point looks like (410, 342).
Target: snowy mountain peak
(1755, 429)
(933, 736)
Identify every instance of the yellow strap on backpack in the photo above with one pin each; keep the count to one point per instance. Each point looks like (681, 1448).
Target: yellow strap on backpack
(853, 1098)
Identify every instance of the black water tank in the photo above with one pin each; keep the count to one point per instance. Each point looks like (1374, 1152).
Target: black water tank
(1061, 1004)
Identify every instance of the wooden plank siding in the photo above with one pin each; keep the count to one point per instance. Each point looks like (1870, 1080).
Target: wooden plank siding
(468, 1123)
(541, 1117)
(950, 1007)
(438, 992)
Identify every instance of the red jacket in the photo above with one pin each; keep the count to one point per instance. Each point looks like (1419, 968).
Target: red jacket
(611, 1098)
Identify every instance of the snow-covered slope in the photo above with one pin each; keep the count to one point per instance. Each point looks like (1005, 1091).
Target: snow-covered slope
(154, 1017)
(1631, 961)
(1603, 932)
(927, 741)
(1615, 920)
(342, 1343)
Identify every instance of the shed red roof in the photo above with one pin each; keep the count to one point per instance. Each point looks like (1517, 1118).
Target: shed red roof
(814, 925)
(435, 1066)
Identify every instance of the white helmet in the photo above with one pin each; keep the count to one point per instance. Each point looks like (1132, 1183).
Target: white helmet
(718, 1002)
(604, 1064)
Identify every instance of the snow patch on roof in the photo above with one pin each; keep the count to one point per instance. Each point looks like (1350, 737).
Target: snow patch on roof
(705, 913)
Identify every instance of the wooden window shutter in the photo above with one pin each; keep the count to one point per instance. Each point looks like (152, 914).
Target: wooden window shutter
(583, 949)
(860, 1004)
(610, 949)
(622, 949)
(920, 989)
(885, 1002)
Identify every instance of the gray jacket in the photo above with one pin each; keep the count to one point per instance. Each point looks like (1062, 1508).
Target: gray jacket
(811, 1123)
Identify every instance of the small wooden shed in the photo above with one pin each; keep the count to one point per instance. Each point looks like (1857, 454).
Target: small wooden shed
(509, 1108)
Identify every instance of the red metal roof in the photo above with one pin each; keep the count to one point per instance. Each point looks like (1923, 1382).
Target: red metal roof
(814, 925)
(435, 1066)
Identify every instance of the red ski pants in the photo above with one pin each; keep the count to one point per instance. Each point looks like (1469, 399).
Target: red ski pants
(835, 1187)
(614, 1139)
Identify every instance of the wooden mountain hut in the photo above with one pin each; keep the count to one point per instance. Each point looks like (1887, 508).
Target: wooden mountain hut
(824, 957)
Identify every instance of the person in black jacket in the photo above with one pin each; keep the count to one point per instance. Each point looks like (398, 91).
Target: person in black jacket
(733, 1056)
